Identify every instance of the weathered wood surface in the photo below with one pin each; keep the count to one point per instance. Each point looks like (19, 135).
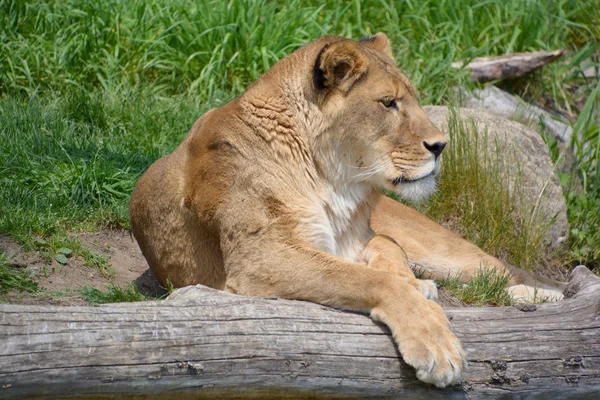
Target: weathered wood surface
(485, 69)
(206, 344)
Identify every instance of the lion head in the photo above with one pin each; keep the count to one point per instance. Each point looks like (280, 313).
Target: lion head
(374, 118)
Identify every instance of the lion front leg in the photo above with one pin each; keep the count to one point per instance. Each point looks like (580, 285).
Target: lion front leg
(419, 326)
(384, 253)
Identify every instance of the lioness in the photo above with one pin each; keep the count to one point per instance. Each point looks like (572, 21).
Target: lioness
(272, 193)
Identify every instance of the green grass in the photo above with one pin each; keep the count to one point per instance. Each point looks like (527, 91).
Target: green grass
(488, 287)
(113, 294)
(583, 186)
(14, 279)
(202, 48)
(70, 160)
(92, 92)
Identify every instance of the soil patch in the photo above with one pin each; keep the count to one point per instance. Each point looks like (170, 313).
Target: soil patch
(61, 283)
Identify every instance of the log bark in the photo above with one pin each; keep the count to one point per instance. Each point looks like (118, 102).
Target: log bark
(485, 69)
(202, 343)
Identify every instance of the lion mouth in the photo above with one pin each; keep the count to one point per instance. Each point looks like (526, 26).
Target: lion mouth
(400, 179)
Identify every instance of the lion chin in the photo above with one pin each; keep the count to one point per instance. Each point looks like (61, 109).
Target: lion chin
(417, 191)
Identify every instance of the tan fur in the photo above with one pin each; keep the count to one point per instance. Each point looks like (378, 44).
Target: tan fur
(272, 193)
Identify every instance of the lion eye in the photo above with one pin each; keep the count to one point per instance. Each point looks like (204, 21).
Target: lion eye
(389, 103)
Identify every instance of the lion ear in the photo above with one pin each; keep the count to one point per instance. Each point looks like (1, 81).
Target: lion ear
(339, 65)
(380, 42)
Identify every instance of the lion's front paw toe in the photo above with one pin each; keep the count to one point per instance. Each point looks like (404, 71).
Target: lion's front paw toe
(438, 364)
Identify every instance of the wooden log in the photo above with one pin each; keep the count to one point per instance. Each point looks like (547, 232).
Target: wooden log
(485, 69)
(202, 343)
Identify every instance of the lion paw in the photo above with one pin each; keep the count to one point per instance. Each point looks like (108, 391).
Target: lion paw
(440, 364)
(428, 288)
(433, 350)
(427, 344)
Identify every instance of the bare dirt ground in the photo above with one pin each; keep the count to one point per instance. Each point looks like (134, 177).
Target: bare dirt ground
(61, 283)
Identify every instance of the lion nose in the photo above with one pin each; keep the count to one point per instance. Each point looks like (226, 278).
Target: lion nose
(436, 148)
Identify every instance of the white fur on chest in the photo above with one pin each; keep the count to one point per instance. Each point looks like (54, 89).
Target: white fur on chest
(339, 223)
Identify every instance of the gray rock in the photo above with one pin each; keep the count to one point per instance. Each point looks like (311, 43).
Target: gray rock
(525, 155)
(590, 68)
(498, 102)
(592, 71)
